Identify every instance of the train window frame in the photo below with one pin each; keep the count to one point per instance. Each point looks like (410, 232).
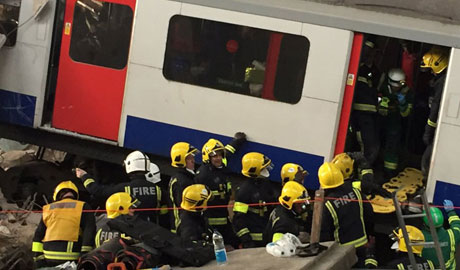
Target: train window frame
(9, 26)
(255, 58)
(101, 56)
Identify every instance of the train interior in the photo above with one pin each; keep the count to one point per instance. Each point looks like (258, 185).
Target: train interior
(395, 144)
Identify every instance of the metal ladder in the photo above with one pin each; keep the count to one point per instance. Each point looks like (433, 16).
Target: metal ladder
(402, 225)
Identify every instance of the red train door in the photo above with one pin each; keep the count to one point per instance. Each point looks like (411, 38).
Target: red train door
(92, 67)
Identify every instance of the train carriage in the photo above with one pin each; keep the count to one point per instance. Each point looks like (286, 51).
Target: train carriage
(144, 74)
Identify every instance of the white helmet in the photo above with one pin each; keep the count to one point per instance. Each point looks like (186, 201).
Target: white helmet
(154, 174)
(396, 77)
(137, 162)
(285, 247)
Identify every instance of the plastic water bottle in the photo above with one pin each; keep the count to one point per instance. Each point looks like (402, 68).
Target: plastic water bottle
(219, 248)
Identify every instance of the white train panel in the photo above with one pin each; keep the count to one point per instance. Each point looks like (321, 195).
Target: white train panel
(150, 31)
(443, 181)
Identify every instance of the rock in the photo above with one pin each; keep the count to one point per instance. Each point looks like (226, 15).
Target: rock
(5, 231)
(11, 218)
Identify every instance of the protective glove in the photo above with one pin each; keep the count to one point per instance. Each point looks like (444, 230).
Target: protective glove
(401, 98)
(241, 136)
(448, 205)
(249, 244)
(378, 190)
(428, 135)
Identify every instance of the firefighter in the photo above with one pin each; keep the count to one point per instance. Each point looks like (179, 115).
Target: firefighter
(346, 219)
(402, 261)
(66, 230)
(215, 175)
(351, 164)
(250, 220)
(286, 217)
(137, 165)
(183, 159)
(117, 205)
(364, 114)
(437, 60)
(448, 239)
(395, 105)
(193, 225)
(293, 172)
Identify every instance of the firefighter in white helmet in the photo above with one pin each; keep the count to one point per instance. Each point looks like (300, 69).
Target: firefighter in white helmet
(137, 166)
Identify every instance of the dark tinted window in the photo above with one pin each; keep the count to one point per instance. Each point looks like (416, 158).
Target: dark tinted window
(9, 17)
(101, 33)
(236, 58)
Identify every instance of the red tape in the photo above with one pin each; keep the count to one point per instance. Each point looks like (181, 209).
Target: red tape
(222, 206)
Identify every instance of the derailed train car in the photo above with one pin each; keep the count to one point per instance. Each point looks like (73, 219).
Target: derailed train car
(144, 74)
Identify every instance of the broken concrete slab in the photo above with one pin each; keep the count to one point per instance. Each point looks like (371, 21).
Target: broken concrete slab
(336, 257)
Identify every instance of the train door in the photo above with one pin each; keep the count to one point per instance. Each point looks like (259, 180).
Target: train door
(92, 67)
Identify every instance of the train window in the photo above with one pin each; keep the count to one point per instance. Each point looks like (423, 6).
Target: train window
(9, 17)
(101, 33)
(235, 58)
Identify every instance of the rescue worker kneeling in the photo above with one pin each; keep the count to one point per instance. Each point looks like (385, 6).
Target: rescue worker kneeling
(251, 213)
(448, 239)
(346, 219)
(193, 226)
(403, 262)
(66, 229)
(117, 206)
(286, 218)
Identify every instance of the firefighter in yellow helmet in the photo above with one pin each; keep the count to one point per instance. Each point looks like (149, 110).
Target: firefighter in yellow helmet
(358, 173)
(346, 219)
(251, 215)
(436, 60)
(402, 261)
(118, 205)
(66, 230)
(216, 176)
(287, 216)
(293, 172)
(193, 225)
(183, 159)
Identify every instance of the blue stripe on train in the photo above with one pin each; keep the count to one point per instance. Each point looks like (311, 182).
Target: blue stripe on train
(448, 191)
(16, 108)
(157, 138)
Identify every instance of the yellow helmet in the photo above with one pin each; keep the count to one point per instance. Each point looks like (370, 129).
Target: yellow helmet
(179, 152)
(63, 186)
(290, 170)
(330, 176)
(292, 192)
(436, 59)
(345, 163)
(253, 164)
(415, 235)
(119, 203)
(194, 196)
(210, 148)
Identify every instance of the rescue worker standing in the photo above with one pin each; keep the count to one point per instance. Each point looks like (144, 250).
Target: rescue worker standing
(66, 229)
(358, 164)
(117, 205)
(448, 239)
(346, 219)
(251, 215)
(215, 175)
(396, 102)
(364, 114)
(193, 225)
(293, 172)
(437, 60)
(286, 217)
(182, 158)
(137, 165)
(402, 261)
